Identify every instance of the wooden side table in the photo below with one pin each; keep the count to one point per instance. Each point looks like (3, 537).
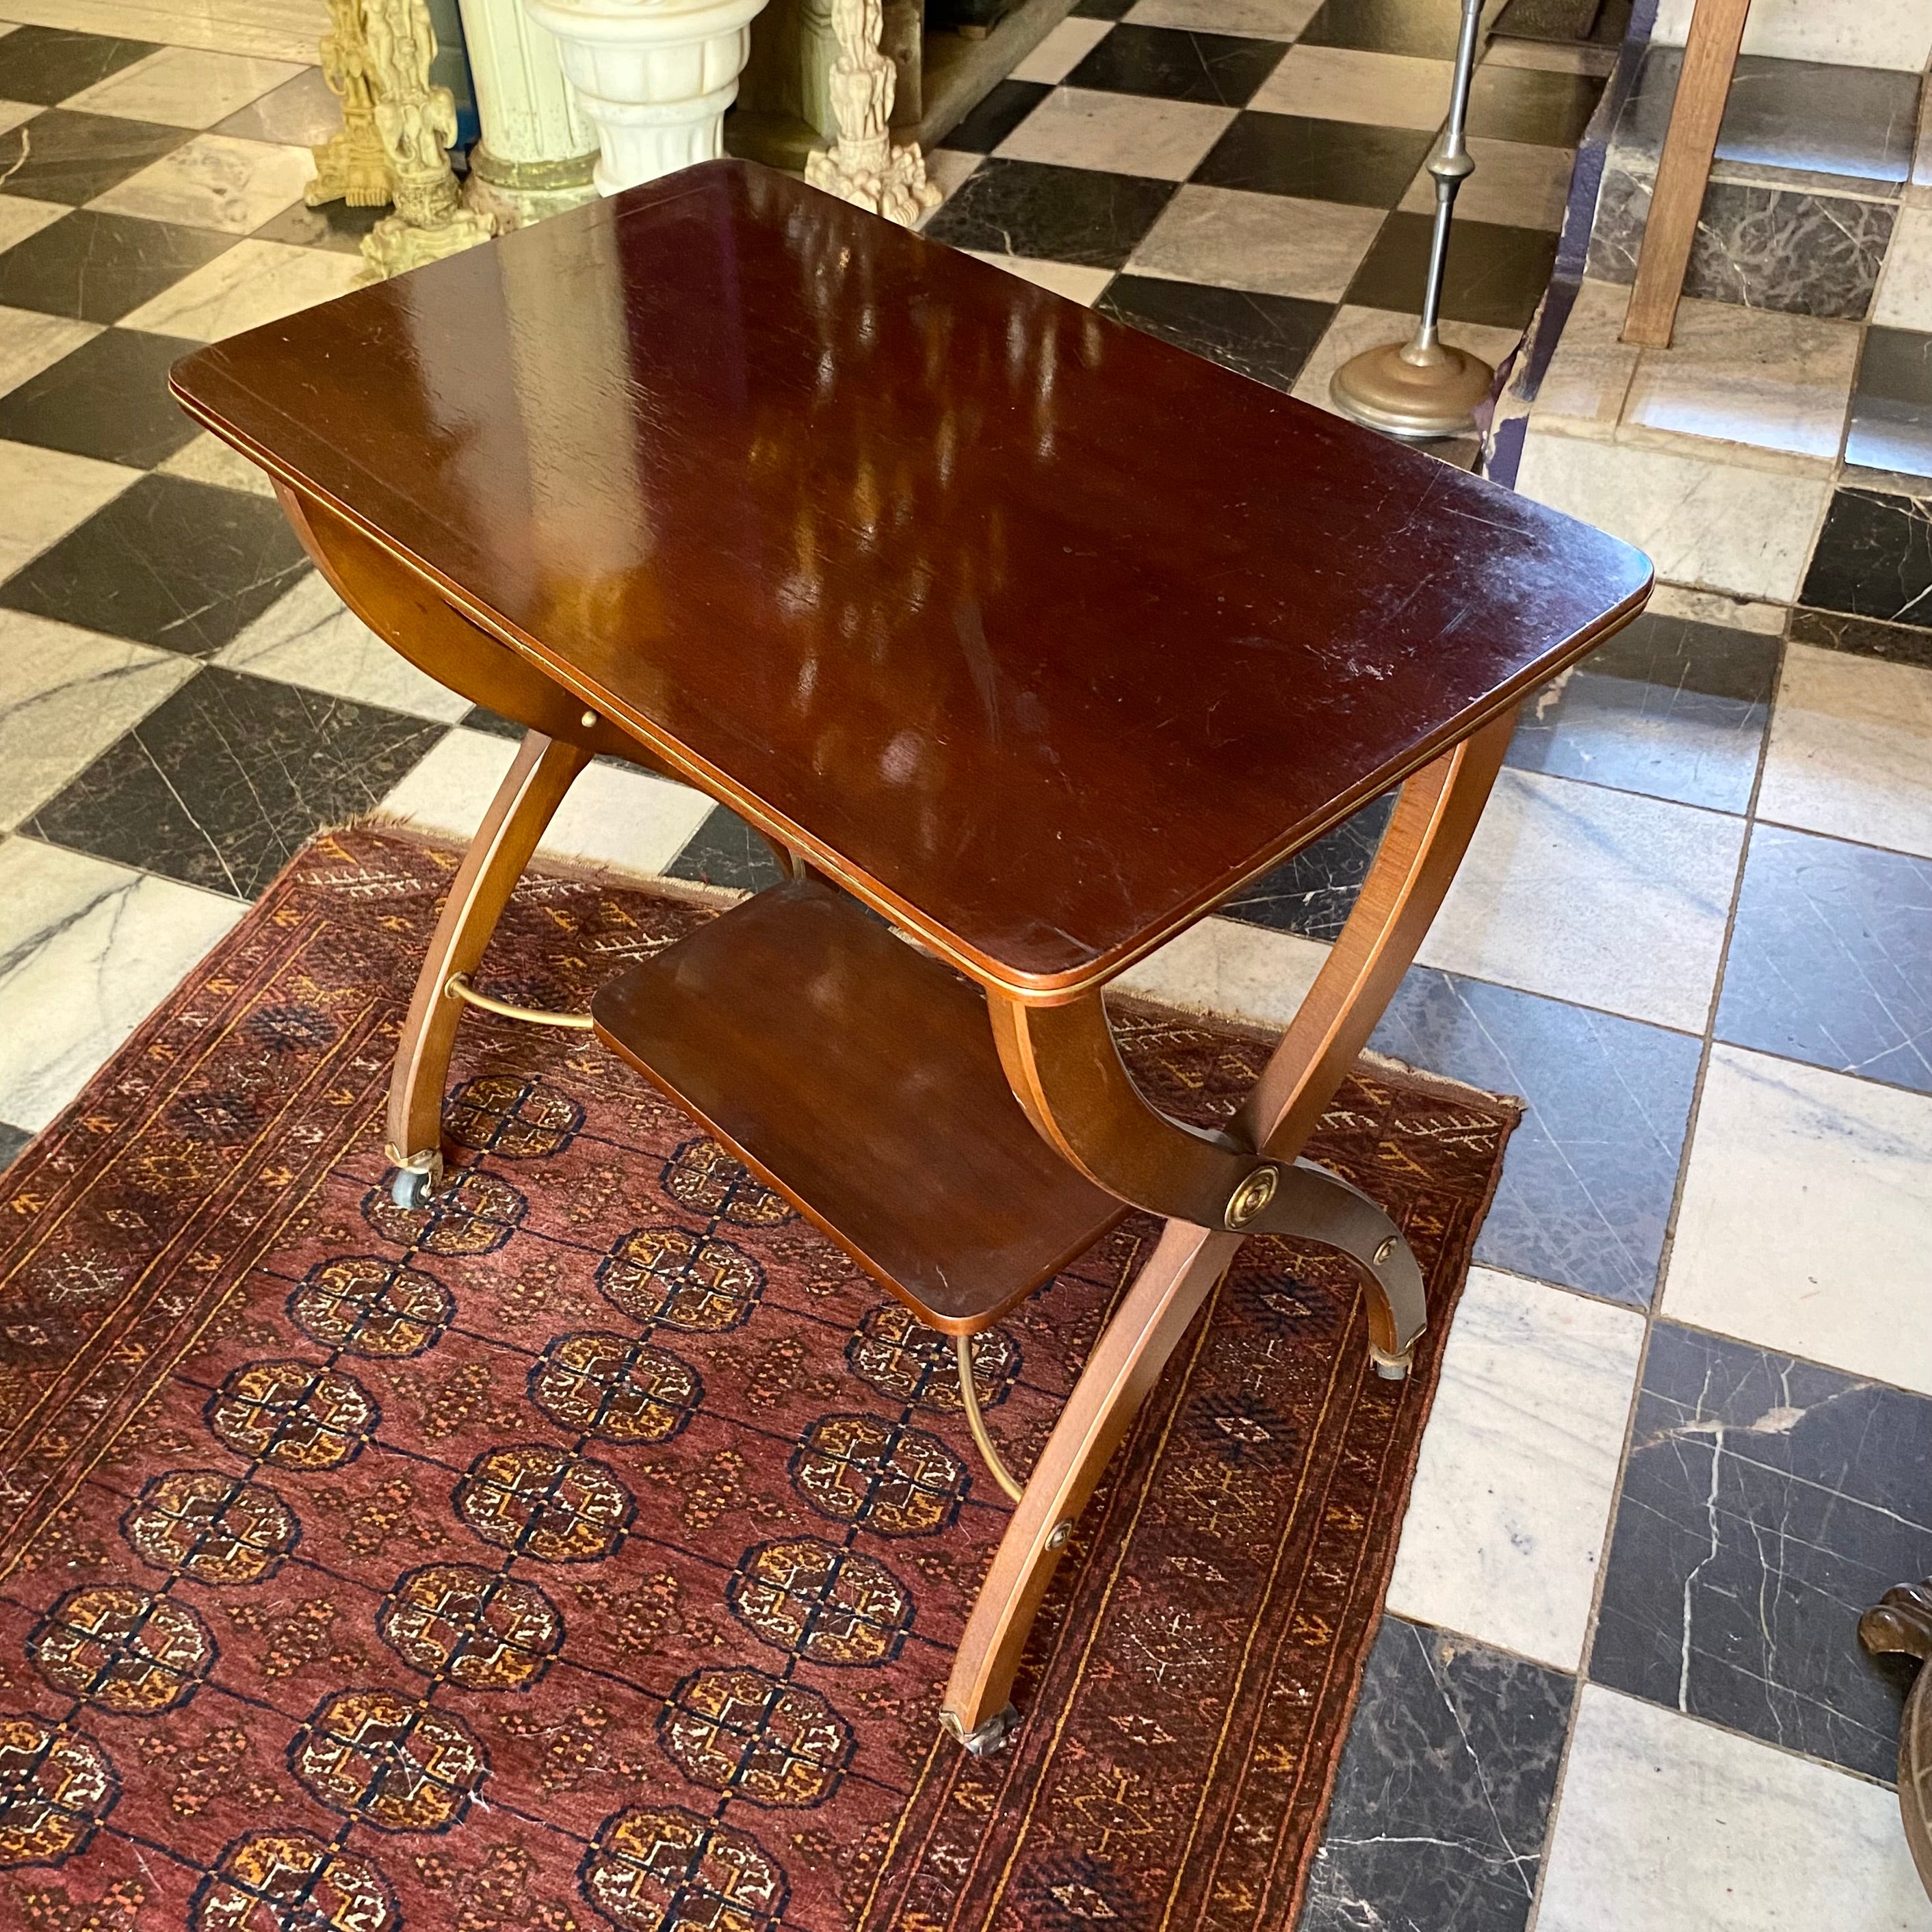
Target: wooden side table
(1025, 639)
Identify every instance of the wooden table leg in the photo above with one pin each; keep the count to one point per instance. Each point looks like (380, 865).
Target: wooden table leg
(1068, 1076)
(532, 789)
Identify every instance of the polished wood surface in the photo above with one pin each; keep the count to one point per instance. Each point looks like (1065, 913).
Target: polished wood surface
(857, 1075)
(1434, 821)
(1037, 633)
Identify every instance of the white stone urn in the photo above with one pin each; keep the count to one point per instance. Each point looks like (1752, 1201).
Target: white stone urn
(654, 77)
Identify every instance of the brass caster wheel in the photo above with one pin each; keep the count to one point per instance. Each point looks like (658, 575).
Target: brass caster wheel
(415, 1180)
(1391, 1368)
(986, 1738)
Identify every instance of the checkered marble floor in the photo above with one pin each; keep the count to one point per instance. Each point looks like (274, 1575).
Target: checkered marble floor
(1686, 1413)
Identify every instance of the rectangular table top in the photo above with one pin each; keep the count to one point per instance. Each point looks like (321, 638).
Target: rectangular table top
(1038, 633)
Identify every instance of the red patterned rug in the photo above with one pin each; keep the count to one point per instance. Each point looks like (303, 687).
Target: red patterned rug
(589, 1547)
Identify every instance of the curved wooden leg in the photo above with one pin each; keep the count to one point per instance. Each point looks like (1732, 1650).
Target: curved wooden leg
(1125, 1363)
(1081, 1101)
(532, 789)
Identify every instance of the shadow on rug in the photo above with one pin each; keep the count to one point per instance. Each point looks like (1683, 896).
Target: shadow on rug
(590, 1546)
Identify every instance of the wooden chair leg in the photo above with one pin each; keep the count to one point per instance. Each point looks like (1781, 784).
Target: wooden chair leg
(532, 789)
(1434, 821)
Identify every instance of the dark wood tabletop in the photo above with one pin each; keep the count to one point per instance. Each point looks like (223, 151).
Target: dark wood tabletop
(1035, 633)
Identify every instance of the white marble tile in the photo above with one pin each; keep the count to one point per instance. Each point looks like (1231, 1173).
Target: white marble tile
(1272, 243)
(1845, 33)
(1666, 1825)
(1851, 750)
(1749, 375)
(286, 30)
(87, 950)
(30, 342)
(1232, 970)
(1507, 1521)
(1063, 50)
(182, 87)
(626, 821)
(1904, 297)
(209, 459)
(1609, 898)
(12, 112)
(214, 182)
(21, 215)
(1583, 389)
(1516, 183)
(1744, 526)
(1345, 84)
(65, 696)
(253, 283)
(1354, 328)
(1118, 134)
(310, 637)
(45, 493)
(1265, 19)
(1064, 278)
(1807, 1217)
(948, 170)
(1711, 607)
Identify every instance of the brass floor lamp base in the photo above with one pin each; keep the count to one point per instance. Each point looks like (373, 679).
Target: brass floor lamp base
(1419, 395)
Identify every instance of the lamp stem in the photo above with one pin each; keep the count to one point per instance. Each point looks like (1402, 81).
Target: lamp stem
(1451, 165)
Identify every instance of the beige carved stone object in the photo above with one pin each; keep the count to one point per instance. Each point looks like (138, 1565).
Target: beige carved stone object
(862, 166)
(1902, 1623)
(350, 167)
(417, 121)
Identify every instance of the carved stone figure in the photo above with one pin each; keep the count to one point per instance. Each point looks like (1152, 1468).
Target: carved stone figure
(1902, 1623)
(862, 166)
(350, 167)
(417, 122)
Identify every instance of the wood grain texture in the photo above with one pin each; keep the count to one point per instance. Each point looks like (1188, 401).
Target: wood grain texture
(1038, 634)
(1703, 87)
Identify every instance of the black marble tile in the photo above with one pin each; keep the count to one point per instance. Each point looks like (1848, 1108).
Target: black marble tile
(108, 399)
(725, 851)
(1051, 213)
(1521, 103)
(1852, 121)
(997, 116)
(1758, 247)
(334, 225)
(1315, 160)
(1314, 892)
(300, 113)
(1589, 1174)
(64, 156)
(1101, 9)
(1831, 957)
(221, 784)
(100, 267)
(180, 564)
(1443, 1795)
(1864, 636)
(1496, 275)
(12, 1140)
(1668, 707)
(46, 65)
(1268, 337)
(1874, 559)
(1891, 404)
(1425, 27)
(1217, 69)
(1765, 1503)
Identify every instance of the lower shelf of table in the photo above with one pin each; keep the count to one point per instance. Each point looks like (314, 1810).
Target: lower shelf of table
(857, 1075)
